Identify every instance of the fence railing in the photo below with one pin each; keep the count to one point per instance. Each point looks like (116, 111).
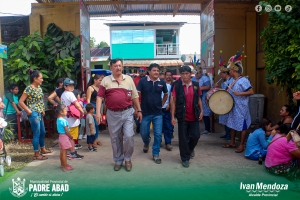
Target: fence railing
(167, 49)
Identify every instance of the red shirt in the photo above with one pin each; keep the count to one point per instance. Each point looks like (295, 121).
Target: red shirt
(189, 100)
(118, 95)
(136, 81)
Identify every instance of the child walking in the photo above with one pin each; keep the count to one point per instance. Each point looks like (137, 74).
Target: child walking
(90, 127)
(83, 103)
(65, 139)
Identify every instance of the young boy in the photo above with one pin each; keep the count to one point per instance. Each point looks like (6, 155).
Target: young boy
(82, 101)
(90, 126)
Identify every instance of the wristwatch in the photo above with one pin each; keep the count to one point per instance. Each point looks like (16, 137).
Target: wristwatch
(139, 111)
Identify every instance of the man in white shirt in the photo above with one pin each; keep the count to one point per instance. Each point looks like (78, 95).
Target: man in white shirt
(167, 125)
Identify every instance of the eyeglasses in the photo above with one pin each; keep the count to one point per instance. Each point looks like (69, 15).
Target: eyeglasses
(141, 70)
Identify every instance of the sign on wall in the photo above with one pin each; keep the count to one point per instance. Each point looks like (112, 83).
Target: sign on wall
(207, 39)
(3, 51)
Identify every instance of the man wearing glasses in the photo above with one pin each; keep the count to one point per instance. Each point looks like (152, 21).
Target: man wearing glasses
(119, 93)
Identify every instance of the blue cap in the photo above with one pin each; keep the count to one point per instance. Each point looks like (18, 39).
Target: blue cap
(68, 81)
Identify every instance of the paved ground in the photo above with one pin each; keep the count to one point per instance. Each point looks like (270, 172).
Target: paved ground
(215, 173)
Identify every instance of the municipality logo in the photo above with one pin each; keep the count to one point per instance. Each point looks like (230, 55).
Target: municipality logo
(18, 190)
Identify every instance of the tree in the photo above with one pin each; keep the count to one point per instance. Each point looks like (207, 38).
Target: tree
(57, 55)
(282, 46)
(92, 42)
(102, 44)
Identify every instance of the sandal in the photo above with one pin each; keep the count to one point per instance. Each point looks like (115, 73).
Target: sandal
(156, 159)
(46, 151)
(229, 146)
(68, 168)
(40, 157)
(239, 150)
(99, 143)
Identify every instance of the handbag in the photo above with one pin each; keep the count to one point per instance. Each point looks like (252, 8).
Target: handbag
(103, 119)
(24, 116)
(73, 111)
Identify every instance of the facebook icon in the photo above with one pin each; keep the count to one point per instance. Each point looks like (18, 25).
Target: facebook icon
(258, 8)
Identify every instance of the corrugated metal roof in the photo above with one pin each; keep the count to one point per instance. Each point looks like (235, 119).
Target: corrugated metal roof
(97, 52)
(135, 9)
(146, 7)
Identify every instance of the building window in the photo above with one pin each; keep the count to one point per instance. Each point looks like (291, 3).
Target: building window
(98, 66)
(132, 36)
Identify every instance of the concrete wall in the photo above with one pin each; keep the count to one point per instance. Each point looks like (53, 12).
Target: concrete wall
(12, 28)
(66, 16)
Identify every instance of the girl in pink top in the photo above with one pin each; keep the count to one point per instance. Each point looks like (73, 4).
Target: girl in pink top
(283, 156)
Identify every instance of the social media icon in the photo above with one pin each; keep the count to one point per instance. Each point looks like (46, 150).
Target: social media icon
(258, 8)
(288, 8)
(277, 8)
(268, 8)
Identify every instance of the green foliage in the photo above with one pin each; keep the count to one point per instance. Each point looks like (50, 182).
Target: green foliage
(282, 45)
(56, 55)
(102, 44)
(92, 42)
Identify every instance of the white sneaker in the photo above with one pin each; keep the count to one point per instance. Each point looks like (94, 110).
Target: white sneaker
(85, 136)
(205, 132)
(80, 137)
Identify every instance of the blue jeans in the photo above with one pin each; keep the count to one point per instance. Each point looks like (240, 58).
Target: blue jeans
(157, 129)
(167, 126)
(38, 130)
(95, 121)
(255, 154)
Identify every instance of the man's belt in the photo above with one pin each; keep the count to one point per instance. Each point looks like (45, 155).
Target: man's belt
(120, 110)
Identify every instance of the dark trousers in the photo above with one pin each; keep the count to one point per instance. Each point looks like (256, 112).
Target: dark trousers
(188, 135)
(167, 126)
(137, 123)
(206, 120)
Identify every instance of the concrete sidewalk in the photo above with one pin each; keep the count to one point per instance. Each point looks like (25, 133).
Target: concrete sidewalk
(214, 173)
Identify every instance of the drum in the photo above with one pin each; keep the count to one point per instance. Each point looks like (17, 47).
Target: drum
(219, 101)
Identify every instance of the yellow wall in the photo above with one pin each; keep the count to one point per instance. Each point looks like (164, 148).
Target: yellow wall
(67, 17)
(237, 25)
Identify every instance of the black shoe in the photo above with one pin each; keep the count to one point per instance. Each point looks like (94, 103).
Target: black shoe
(146, 148)
(224, 136)
(192, 154)
(185, 164)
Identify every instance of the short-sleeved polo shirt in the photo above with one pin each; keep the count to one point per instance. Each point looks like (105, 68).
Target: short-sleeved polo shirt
(118, 95)
(151, 95)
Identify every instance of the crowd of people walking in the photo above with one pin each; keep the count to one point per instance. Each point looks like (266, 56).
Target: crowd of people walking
(154, 99)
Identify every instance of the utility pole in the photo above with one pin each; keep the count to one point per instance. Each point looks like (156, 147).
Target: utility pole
(1, 71)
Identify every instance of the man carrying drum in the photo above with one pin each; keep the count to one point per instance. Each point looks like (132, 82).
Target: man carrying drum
(239, 118)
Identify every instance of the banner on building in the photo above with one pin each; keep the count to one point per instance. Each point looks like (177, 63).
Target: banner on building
(3, 51)
(84, 42)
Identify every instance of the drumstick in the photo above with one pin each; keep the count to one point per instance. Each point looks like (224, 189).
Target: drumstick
(218, 81)
(229, 88)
